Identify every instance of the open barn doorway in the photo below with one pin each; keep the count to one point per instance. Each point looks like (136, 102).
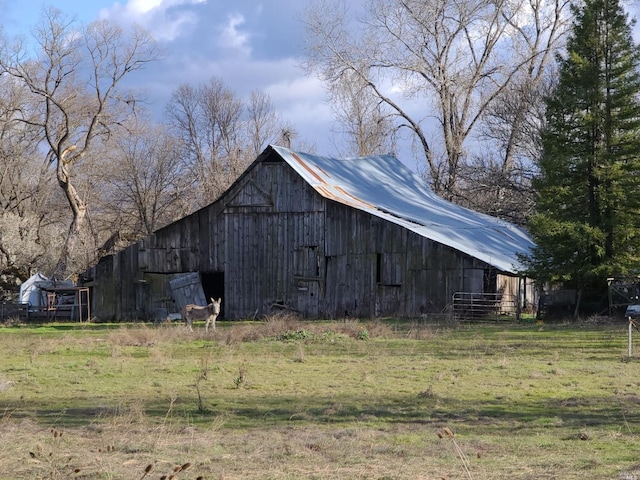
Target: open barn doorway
(213, 286)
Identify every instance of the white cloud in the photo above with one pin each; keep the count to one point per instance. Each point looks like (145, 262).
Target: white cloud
(296, 88)
(232, 37)
(143, 6)
(301, 100)
(246, 45)
(154, 16)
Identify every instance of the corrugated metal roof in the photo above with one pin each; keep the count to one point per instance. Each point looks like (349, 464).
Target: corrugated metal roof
(383, 186)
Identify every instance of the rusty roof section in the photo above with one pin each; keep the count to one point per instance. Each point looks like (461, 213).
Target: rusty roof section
(326, 188)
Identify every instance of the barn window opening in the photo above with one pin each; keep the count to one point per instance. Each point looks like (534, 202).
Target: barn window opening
(307, 261)
(378, 268)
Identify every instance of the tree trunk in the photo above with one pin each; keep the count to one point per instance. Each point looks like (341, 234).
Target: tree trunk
(78, 209)
(576, 312)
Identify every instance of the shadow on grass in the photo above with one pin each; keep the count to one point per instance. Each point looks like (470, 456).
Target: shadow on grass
(493, 417)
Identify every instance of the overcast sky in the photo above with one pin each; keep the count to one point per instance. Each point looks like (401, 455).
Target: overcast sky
(249, 44)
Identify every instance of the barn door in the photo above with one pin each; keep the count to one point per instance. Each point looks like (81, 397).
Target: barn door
(308, 298)
(307, 268)
(187, 289)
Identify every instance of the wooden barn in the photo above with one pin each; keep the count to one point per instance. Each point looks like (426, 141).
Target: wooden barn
(323, 237)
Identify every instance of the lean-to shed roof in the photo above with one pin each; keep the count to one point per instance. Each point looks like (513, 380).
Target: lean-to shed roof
(383, 186)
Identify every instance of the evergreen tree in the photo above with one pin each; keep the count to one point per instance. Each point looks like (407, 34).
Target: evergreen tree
(587, 221)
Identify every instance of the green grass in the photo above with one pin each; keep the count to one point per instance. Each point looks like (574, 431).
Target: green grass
(284, 399)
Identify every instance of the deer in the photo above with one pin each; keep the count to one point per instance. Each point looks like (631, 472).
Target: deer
(196, 312)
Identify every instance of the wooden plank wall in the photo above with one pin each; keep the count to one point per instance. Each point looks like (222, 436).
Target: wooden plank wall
(267, 225)
(417, 275)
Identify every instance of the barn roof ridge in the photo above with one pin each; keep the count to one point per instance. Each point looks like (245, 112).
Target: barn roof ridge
(385, 187)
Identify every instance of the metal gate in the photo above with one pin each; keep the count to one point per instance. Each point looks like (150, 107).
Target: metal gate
(484, 306)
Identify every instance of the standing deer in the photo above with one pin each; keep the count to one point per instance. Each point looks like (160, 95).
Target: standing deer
(196, 312)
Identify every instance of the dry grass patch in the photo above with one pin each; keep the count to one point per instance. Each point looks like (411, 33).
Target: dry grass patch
(289, 326)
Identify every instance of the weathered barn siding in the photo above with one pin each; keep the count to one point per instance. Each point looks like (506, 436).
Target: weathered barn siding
(378, 268)
(273, 242)
(120, 291)
(104, 290)
(271, 223)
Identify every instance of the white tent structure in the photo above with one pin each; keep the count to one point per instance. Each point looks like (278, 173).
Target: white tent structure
(30, 292)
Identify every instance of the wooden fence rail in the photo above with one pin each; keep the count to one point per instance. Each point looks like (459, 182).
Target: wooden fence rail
(17, 310)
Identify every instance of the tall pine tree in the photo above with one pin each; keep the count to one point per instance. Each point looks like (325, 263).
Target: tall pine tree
(587, 225)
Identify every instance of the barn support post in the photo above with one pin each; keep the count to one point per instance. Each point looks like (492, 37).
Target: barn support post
(519, 301)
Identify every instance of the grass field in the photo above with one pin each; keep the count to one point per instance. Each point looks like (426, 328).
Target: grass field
(285, 399)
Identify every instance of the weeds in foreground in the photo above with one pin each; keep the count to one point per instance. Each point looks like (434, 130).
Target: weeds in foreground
(299, 357)
(59, 467)
(446, 432)
(241, 378)
(289, 327)
(202, 375)
(170, 476)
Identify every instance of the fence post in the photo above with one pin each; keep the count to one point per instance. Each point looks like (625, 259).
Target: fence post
(630, 334)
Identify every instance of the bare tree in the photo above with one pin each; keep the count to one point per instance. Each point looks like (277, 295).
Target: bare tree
(437, 65)
(19, 174)
(263, 122)
(537, 32)
(497, 179)
(365, 120)
(514, 121)
(203, 119)
(486, 187)
(143, 187)
(76, 101)
(221, 133)
(28, 223)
